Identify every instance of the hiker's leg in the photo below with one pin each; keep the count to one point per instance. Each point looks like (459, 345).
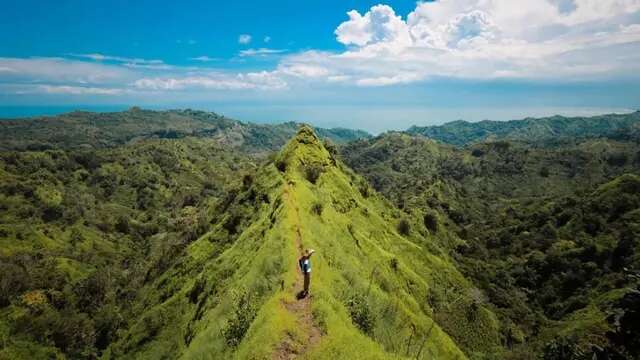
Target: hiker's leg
(306, 282)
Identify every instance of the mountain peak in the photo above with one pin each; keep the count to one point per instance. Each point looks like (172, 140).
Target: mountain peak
(306, 135)
(305, 148)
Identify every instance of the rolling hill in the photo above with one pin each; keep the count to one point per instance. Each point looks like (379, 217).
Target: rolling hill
(213, 274)
(87, 130)
(550, 129)
(549, 232)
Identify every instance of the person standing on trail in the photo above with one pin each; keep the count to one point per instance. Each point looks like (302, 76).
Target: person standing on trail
(305, 267)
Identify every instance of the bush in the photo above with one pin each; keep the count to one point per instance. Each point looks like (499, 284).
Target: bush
(122, 225)
(240, 321)
(281, 165)
(477, 152)
(544, 171)
(617, 159)
(331, 147)
(364, 189)
(404, 228)
(361, 313)
(316, 208)
(247, 181)
(313, 172)
(431, 222)
(394, 264)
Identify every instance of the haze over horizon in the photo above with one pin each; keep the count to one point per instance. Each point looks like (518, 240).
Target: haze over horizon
(351, 64)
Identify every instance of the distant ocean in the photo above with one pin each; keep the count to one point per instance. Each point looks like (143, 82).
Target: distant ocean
(15, 112)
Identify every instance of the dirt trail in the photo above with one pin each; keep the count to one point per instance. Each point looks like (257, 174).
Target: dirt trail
(301, 308)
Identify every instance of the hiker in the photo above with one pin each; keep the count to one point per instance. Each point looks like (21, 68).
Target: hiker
(305, 267)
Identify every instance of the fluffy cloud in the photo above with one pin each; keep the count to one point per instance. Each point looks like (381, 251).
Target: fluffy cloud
(486, 39)
(566, 40)
(378, 25)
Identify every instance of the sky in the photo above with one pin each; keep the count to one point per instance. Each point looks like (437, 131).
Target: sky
(358, 64)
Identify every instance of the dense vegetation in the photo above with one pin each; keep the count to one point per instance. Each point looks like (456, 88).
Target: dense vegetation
(148, 234)
(551, 129)
(87, 130)
(548, 232)
(81, 232)
(154, 250)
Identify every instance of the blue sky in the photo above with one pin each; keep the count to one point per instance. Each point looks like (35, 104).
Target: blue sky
(332, 63)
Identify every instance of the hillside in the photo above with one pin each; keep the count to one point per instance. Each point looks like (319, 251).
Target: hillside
(550, 129)
(81, 231)
(370, 283)
(87, 130)
(549, 233)
(149, 283)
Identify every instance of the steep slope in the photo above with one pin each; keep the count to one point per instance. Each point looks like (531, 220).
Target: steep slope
(550, 129)
(82, 231)
(381, 287)
(550, 233)
(81, 129)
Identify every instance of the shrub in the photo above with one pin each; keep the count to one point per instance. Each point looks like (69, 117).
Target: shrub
(431, 221)
(477, 152)
(331, 147)
(364, 189)
(316, 208)
(247, 181)
(361, 313)
(122, 225)
(313, 172)
(394, 264)
(404, 228)
(281, 165)
(240, 320)
(617, 159)
(544, 171)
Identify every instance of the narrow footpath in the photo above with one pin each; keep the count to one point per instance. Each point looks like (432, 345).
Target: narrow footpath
(301, 308)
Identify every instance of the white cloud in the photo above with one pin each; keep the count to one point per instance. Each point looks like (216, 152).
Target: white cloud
(261, 52)
(559, 40)
(244, 39)
(485, 39)
(204, 58)
(60, 70)
(244, 81)
(79, 90)
(304, 70)
(120, 59)
(378, 25)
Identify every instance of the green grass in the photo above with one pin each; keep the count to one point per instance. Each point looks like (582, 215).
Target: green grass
(356, 242)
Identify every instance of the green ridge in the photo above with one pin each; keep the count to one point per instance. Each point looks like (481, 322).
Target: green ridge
(375, 292)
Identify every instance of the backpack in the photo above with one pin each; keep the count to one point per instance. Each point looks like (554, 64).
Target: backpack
(302, 265)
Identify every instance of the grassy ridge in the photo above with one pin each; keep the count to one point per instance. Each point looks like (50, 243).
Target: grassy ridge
(376, 293)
